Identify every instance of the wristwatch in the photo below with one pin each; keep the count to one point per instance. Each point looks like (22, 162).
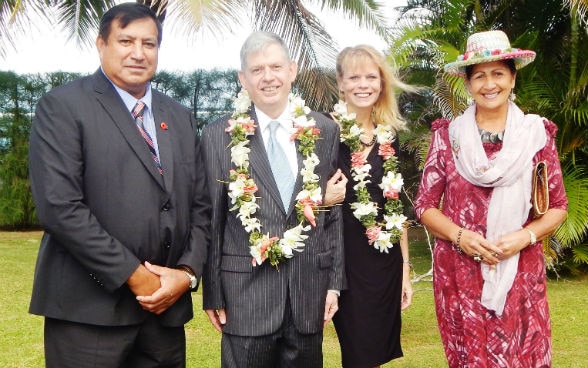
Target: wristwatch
(191, 277)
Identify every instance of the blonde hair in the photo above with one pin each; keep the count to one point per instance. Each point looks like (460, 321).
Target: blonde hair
(385, 110)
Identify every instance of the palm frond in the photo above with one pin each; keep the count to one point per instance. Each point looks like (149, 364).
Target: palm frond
(17, 16)
(580, 254)
(580, 7)
(579, 115)
(577, 92)
(367, 13)
(575, 227)
(216, 17)
(416, 141)
(81, 19)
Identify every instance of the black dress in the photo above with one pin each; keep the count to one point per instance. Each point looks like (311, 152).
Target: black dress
(368, 319)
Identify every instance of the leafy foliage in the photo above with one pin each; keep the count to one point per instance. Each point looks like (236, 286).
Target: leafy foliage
(208, 93)
(311, 45)
(18, 96)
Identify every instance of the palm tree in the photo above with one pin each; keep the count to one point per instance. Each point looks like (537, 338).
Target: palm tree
(432, 33)
(580, 7)
(310, 44)
(79, 17)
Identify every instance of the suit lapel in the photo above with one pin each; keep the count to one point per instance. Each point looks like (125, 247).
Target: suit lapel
(163, 124)
(115, 108)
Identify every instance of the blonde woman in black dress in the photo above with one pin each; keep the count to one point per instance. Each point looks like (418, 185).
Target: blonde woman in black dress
(376, 243)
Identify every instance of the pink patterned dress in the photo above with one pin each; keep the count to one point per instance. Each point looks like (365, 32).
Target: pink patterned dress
(474, 337)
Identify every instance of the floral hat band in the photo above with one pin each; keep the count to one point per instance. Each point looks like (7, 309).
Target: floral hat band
(484, 47)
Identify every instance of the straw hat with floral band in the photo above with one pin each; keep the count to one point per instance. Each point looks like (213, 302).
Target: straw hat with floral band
(483, 47)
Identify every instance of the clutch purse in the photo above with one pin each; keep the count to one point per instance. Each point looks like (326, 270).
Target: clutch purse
(540, 190)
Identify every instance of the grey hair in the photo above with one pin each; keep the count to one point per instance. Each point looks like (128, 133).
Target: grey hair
(258, 41)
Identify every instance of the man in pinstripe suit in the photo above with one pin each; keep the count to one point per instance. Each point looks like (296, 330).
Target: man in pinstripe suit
(270, 317)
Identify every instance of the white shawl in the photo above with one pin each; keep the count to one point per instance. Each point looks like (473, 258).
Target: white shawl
(509, 173)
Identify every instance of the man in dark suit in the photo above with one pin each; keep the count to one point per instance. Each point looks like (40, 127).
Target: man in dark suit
(121, 197)
(270, 316)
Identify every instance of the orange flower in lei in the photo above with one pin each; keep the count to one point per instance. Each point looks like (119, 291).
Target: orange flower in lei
(242, 187)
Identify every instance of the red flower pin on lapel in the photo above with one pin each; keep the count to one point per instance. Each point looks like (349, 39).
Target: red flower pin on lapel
(163, 126)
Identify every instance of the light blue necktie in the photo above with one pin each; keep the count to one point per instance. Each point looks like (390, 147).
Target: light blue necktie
(280, 166)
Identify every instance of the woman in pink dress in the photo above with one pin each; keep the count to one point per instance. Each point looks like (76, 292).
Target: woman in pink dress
(489, 273)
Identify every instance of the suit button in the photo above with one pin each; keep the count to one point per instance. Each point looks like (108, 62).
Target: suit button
(166, 206)
(167, 245)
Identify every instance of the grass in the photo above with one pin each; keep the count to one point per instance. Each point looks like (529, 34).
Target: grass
(21, 334)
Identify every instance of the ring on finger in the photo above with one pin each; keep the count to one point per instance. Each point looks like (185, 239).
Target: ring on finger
(477, 257)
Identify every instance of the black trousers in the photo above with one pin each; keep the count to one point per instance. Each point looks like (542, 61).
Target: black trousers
(286, 348)
(78, 345)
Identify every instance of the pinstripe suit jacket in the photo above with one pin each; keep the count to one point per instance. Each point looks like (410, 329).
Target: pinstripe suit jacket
(255, 297)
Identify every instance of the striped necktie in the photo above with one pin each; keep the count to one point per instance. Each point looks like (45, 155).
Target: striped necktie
(280, 166)
(137, 113)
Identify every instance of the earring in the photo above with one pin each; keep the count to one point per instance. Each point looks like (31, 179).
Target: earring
(470, 99)
(512, 95)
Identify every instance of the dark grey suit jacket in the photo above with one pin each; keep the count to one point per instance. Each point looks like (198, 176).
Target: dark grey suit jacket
(255, 297)
(105, 208)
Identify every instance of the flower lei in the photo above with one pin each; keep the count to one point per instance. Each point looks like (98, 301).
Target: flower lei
(384, 234)
(242, 187)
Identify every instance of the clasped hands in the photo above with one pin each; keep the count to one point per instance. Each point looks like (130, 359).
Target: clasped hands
(481, 250)
(157, 288)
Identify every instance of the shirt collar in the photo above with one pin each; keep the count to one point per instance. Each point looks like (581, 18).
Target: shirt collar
(129, 100)
(284, 119)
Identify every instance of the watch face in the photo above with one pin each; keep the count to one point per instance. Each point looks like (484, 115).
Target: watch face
(193, 280)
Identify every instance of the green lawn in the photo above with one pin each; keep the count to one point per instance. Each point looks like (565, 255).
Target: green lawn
(21, 338)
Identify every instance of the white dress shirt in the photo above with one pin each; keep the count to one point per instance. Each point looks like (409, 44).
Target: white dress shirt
(283, 135)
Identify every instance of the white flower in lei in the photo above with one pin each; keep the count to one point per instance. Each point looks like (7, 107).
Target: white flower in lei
(382, 235)
(242, 187)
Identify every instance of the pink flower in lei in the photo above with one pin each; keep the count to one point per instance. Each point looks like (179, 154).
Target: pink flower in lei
(391, 194)
(373, 233)
(357, 159)
(242, 187)
(382, 235)
(386, 150)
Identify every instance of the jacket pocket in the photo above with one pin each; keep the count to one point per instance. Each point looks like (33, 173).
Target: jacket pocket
(325, 259)
(237, 264)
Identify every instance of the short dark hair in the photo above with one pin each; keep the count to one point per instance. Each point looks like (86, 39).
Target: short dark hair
(125, 13)
(508, 62)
